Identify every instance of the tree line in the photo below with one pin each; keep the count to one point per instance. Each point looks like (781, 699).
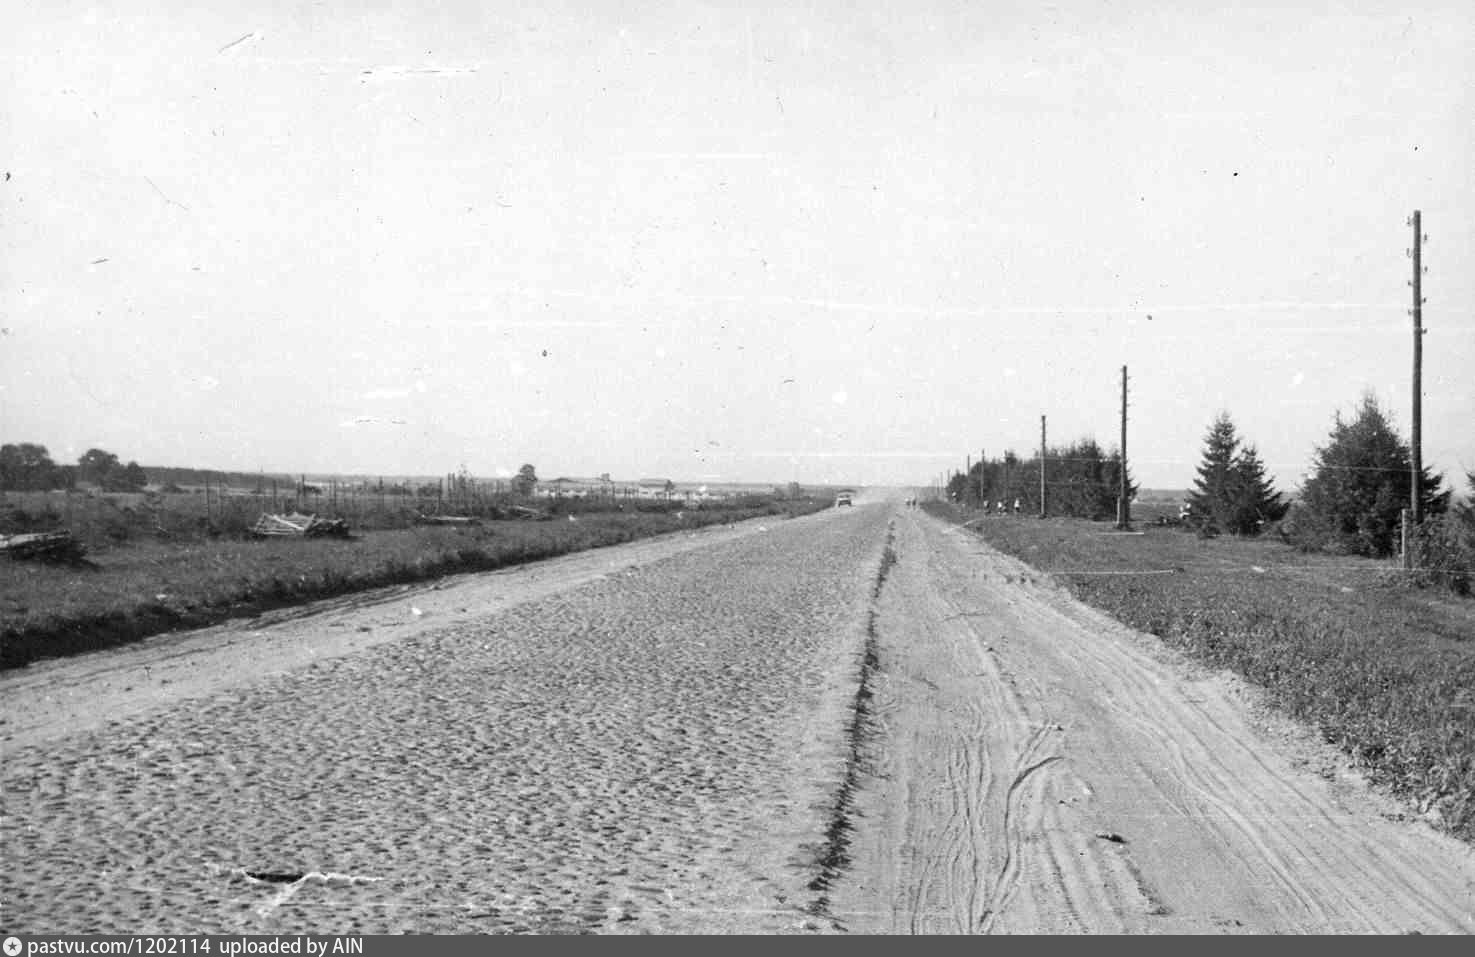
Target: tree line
(27, 466)
(1351, 502)
(1082, 480)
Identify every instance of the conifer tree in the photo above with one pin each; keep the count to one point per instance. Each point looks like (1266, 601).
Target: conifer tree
(1257, 503)
(1215, 494)
(1361, 482)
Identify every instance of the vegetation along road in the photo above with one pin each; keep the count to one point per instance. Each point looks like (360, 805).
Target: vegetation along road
(863, 720)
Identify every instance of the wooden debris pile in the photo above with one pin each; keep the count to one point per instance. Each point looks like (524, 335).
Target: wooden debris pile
(59, 547)
(464, 520)
(299, 525)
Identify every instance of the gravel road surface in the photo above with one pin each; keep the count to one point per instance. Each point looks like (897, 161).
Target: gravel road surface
(602, 743)
(859, 721)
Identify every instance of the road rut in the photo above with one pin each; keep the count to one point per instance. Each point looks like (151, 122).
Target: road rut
(1039, 768)
(764, 729)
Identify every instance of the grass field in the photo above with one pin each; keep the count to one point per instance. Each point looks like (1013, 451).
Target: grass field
(102, 520)
(1385, 670)
(143, 586)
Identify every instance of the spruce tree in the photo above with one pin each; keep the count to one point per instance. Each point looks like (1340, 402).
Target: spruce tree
(1215, 494)
(1257, 503)
(1361, 482)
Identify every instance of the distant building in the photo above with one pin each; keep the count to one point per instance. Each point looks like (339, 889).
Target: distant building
(570, 487)
(655, 488)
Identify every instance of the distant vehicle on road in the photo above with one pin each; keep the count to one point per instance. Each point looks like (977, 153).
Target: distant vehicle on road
(843, 499)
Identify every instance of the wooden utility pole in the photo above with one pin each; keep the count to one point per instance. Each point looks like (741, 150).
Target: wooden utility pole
(1042, 467)
(1124, 509)
(1416, 507)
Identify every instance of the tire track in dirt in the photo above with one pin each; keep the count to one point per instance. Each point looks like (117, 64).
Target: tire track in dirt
(969, 778)
(1312, 863)
(654, 750)
(1129, 791)
(1016, 801)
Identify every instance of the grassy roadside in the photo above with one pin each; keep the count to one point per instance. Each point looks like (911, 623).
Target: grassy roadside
(146, 588)
(1385, 671)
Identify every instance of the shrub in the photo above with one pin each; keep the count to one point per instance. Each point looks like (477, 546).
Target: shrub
(1443, 550)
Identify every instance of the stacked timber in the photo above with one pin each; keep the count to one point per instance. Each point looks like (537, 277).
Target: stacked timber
(298, 525)
(43, 547)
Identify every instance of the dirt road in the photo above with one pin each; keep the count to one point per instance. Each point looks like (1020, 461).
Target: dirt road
(640, 739)
(664, 737)
(1038, 768)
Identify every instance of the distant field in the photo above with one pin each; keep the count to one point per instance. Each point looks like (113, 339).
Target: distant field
(103, 520)
(141, 585)
(1161, 495)
(1386, 671)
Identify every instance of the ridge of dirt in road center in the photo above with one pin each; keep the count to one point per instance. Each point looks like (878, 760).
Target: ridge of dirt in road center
(835, 856)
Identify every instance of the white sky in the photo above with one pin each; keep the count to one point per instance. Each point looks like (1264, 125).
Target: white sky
(847, 242)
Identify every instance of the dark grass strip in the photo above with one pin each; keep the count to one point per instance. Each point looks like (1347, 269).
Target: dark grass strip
(834, 857)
